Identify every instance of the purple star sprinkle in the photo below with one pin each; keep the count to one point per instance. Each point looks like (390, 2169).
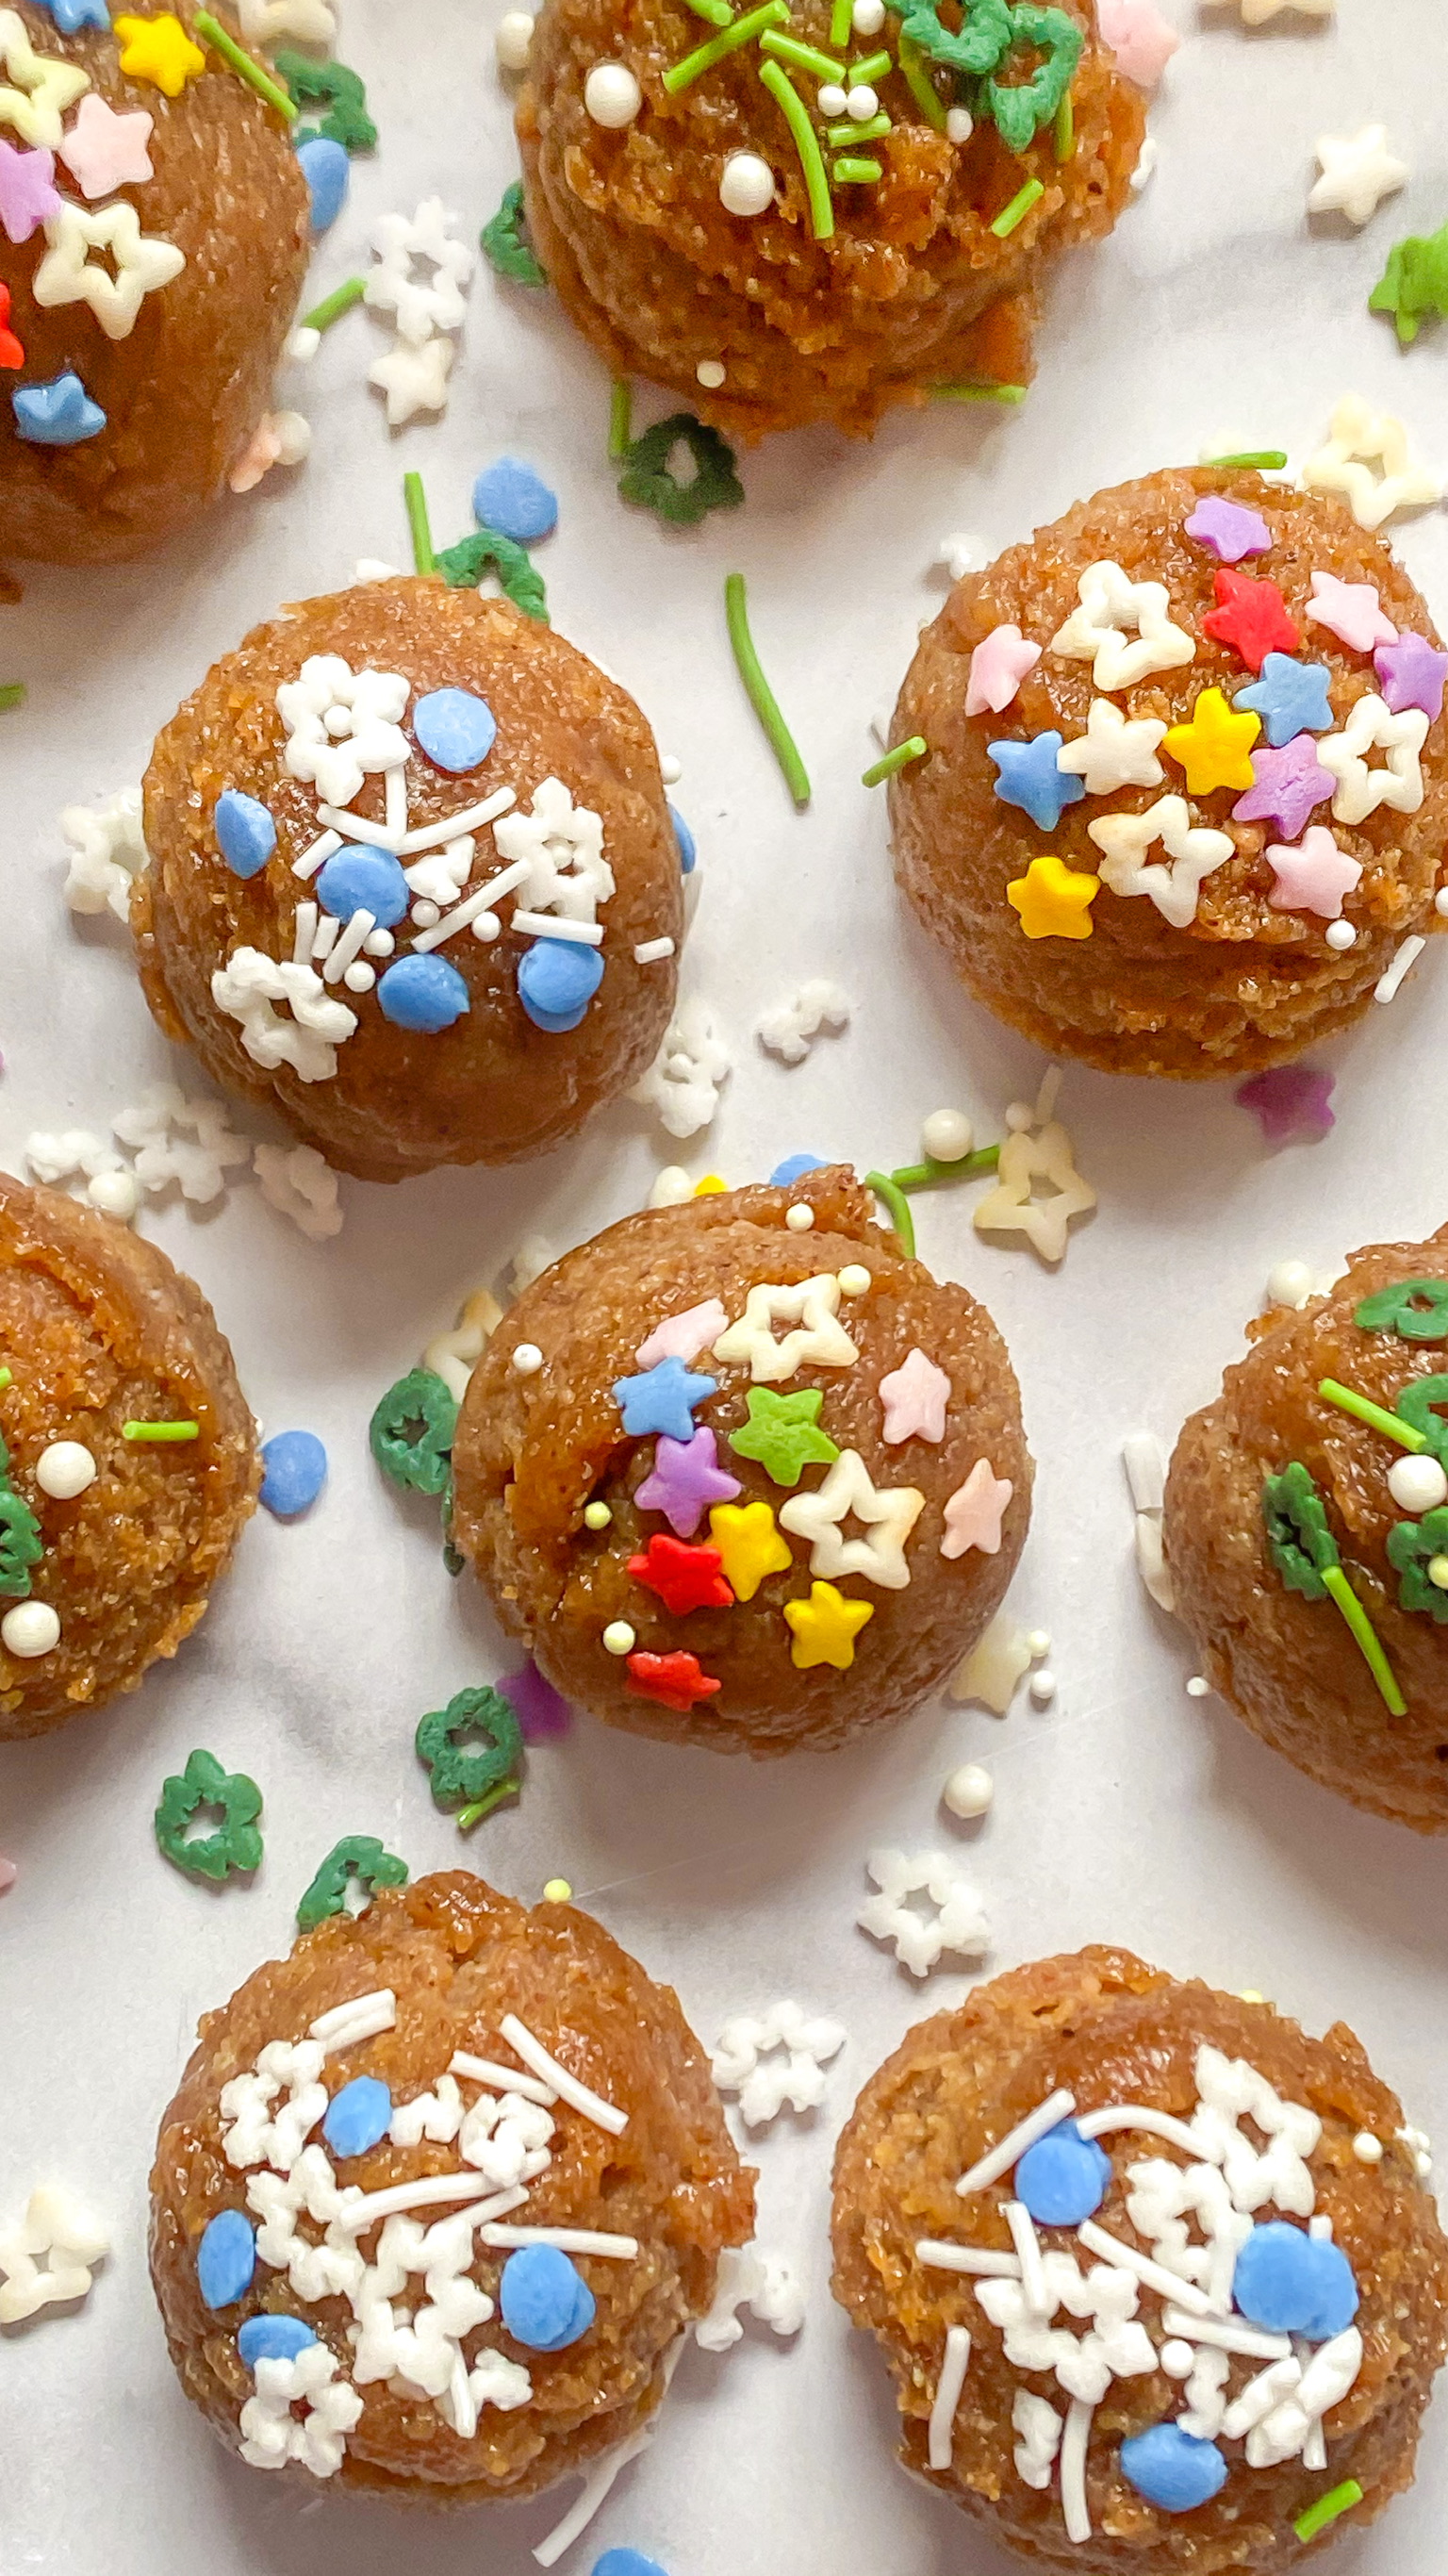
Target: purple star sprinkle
(28, 194)
(686, 1479)
(540, 1710)
(1290, 784)
(1229, 530)
(1290, 1100)
(1412, 675)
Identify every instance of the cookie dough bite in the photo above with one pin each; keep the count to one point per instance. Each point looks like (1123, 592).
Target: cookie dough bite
(437, 2198)
(740, 1474)
(1157, 2277)
(414, 881)
(128, 1458)
(789, 221)
(1306, 1530)
(153, 242)
(1186, 781)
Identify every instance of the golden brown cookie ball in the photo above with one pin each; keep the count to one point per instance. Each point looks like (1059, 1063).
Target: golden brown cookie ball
(1187, 2313)
(154, 234)
(669, 202)
(441, 2347)
(740, 1474)
(1185, 789)
(1308, 1547)
(109, 1543)
(325, 814)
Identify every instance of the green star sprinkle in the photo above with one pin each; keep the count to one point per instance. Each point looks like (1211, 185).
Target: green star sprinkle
(235, 1845)
(21, 1544)
(649, 479)
(1328, 2509)
(347, 121)
(462, 567)
(411, 1432)
(783, 1435)
(480, 1774)
(1414, 284)
(1302, 1546)
(1416, 1310)
(358, 1856)
(505, 242)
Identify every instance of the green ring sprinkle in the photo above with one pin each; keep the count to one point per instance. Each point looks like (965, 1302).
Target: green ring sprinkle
(899, 758)
(620, 419)
(1065, 134)
(1365, 1638)
(857, 174)
(761, 696)
(505, 243)
(839, 137)
(872, 69)
(12, 695)
(1391, 1425)
(424, 559)
(333, 306)
(1265, 460)
(805, 58)
(796, 116)
(160, 1430)
(1327, 2509)
(979, 393)
(704, 57)
(1020, 206)
(922, 88)
(842, 19)
(241, 62)
(971, 1167)
(899, 1206)
(463, 566)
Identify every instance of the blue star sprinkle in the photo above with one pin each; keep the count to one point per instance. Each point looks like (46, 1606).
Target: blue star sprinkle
(71, 15)
(60, 414)
(663, 1400)
(1291, 698)
(1030, 778)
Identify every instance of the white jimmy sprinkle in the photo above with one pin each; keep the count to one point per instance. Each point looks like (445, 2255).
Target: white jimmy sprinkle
(650, 951)
(568, 2240)
(433, 2192)
(1155, 2276)
(454, 827)
(325, 935)
(943, 2257)
(485, 2070)
(304, 932)
(316, 856)
(947, 2395)
(1243, 2339)
(598, 2483)
(1134, 2115)
(553, 925)
(1028, 2249)
(349, 946)
(395, 789)
(1013, 2145)
(378, 2011)
(1074, 2444)
(1405, 957)
(471, 906)
(568, 2087)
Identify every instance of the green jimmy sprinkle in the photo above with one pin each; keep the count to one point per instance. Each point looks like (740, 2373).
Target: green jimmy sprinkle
(979, 393)
(894, 1199)
(333, 306)
(12, 694)
(241, 63)
(842, 19)
(805, 58)
(872, 69)
(761, 696)
(925, 1175)
(840, 137)
(620, 419)
(1391, 1425)
(160, 1430)
(1265, 460)
(1327, 2509)
(1013, 215)
(899, 758)
(413, 494)
(773, 14)
(857, 173)
(715, 13)
(806, 143)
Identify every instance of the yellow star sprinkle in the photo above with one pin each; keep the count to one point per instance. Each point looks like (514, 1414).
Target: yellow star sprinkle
(749, 1544)
(826, 1626)
(1215, 748)
(710, 1186)
(1053, 900)
(160, 51)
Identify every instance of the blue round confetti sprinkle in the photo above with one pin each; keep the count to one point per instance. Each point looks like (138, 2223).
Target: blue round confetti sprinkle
(294, 1470)
(510, 497)
(557, 979)
(245, 833)
(1291, 2283)
(225, 2258)
(626, 2562)
(456, 728)
(546, 2304)
(357, 880)
(1062, 2179)
(1172, 2468)
(688, 847)
(423, 993)
(328, 174)
(273, 2339)
(794, 1168)
(358, 2117)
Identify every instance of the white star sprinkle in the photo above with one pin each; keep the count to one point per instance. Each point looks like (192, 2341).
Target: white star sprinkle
(413, 380)
(800, 2048)
(108, 850)
(818, 1340)
(960, 1926)
(67, 276)
(309, 22)
(684, 1082)
(43, 86)
(72, 2243)
(1372, 726)
(1036, 1149)
(1361, 438)
(1095, 632)
(1358, 171)
(890, 1514)
(1113, 753)
(1194, 852)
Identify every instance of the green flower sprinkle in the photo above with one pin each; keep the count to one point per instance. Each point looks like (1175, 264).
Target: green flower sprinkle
(1416, 1310)
(358, 1856)
(761, 696)
(901, 1216)
(478, 1776)
(235, 1845)
(21, 1544)
(411, 1433)
(1302, 1546)
(1414, 1546)
(899, 758)
(985, 38)
(649, 480)
(347, 121)
(1414, 285)
(506, 245)
(463, 566)
(1328, 2509)
(1418, 1406)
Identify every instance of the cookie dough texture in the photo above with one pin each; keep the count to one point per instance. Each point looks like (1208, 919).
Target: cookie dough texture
(912, 291)
(533, 1451)
(98, 1329)
(1111, 2029)
(459, 1957)
(184, 393)
(493, 1087)
(1285, 1664)
(1244, 985)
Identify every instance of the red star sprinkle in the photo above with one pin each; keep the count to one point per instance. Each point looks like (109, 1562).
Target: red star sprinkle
(11, 353)
(685, 1578)
(675, 1681)
(1252, 617)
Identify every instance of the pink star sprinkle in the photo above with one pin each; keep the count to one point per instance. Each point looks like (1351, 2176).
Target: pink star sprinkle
(974, 1511)
(28, 194)
(1289, 1100)
(1412, 675)
(915, 1396)
(1350, 610)
(997, 668)
(1229, 530)
(104, 151)
(1314, 877)
(683, 1337)
(686, 1479)
(1140, 38)
(1289, 784)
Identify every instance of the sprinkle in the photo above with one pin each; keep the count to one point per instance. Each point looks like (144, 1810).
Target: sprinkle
(505, 241)
(160, 1430)
(853, 173)
(1358, 171)
(896, 760)
(1075, 2443)
(1236, 2338)
(789, 1028)
(513, 40)
(760, 695)
(509, 496)
(1328, 2509)
(1013, 2145)
(424, 560)
(556, 1891)
(564, 2240)
(612, 96)
(649, 480)
(1361, 438)
(1406, 956)
(1228, 529)
(241, 63)
(1290, 1100)
(1127, 2258)
(1261, 460)
(947, 2396)
(796, 116)
(774, 13)
(568, 2087)
(620, 419)
(970, 393)
(57, 414)
(506, 2079)
(921, 87)
(650, 952)
(1133, 2115)
(1065, 130)
(1392, 1425)
(805, 58)
(901, 1219)
(433, 2191)
(12, 694)
(368, 2014)
(527, 1358)
(869, 131)
(1367, 2149)
(235, 1844)
(1020, 206)
(971, 2261)
(799, 1218)
(30, 1630)
(1365, 1638)
(968, 1791)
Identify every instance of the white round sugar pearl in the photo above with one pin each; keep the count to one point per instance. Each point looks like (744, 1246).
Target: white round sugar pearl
(854, 1279)
(1438, 1573)
(31, 1628)
(959, 125)
(1043, 1687)
(514, 40)
(303, 345)
(799, 1218)
(1178, 2359)
(1417, 1484)
(867, 17)
(618, 1638)
(671, 770)
(611, 94)
(116, 1194)
(65, 1469)
(1198, 1687)
(1340, 935)
(1440, 900)
(947, 1136)
(711, 373)
(359, 977)
(596, 1516)
(672, 1187)
(861, 103)
(379, 943)
(1367, 2149)
(1290, 1284)
(832, 99)
(747, 185)
(486, 926)
(425, 914)
(527, 1359)
(969, 1791)
(1039, 1642)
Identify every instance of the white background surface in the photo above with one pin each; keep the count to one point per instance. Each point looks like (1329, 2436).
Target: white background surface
(1127, 1812)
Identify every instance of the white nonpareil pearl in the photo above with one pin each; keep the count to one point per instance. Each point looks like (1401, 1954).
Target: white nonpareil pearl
(527, 1359)
(746, 185)
(31, 1628)
(1043, 1687)
(959, 125)
(1417, 1484)
(611, 95)
(65, 1469)
(1178, 2359)
(854, 1279)
(832, 99)
(514, 40)
(618, 1638)
(1340, 936)
(867, 17)
(861, 103)
(1290, 1284)
(969, 1791)
(799, 1219)
(711, 373)
(359, 977)
(947, 1136)
(1367, 2149)
(379, 943)
(116, 1194)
